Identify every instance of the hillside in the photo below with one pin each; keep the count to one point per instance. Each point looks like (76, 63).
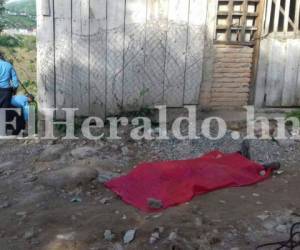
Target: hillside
(19, 14)
(22, 6)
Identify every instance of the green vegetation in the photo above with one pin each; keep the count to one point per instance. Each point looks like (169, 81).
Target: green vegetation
(22, 6)
(19, 15)
(1, 12)
(9, 41)
(295, 113)
(18, 22)
(21, 52)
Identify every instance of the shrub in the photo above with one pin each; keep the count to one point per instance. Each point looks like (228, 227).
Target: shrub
(9, 41)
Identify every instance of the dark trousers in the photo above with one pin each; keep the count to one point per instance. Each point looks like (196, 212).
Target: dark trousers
(5, 97)
(5, 102)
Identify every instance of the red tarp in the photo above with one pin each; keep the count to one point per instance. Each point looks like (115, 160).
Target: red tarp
(176, 182)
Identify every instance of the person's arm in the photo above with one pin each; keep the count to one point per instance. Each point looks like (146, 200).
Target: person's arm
(14, 78)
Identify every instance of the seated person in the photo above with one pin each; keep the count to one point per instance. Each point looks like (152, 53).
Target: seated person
(23, 102)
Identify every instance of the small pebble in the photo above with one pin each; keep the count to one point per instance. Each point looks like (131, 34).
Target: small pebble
(172, 236)
(108, 235)
(129, 236)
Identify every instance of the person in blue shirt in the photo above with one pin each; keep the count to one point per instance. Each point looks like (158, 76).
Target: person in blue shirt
(22, 102)
(8, 82)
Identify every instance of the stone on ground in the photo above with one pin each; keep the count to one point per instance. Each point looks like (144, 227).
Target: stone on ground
(129, 236)
(70, 177)
(84, 152)
(108, 235)
(105, 176)
(51, 153)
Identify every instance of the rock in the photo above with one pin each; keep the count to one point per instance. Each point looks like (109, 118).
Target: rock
(4, 205)
(84, 152)
(269, 225)
(70, 177)
(105, 200)
(7, 165)
(66, 244)
(129, 236)
(161, 229)
(21, 214)
(125, 150)
(279, 172)
(255, 195)
(198, 222)
(234, 248)
(31, 178)
(263, 217)
(67, 236)
(262, 173)
(281, 228)
(105, 176)
(154, 203)
(51, 153)
(108, 235)
(157, 215)
(118, 246)
(29, 234)
(172, 236)
(154, 238)
(76, 200)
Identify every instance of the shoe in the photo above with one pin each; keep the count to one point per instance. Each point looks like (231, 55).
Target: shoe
(245, 149)
(275, 166)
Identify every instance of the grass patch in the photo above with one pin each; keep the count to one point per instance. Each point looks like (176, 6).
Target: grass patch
(21, 52)
(9, 41)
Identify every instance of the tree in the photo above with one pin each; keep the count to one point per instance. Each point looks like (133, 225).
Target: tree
(1, 12)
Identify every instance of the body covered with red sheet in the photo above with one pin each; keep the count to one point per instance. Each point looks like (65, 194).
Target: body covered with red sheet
(176, 182)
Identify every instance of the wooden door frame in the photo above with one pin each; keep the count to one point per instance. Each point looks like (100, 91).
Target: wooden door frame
(261, 9)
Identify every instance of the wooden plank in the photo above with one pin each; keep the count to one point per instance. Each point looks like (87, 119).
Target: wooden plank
(45, 7)
(134, 56)
(115, 49)
(229, 20)
(268, 17)
(62, 9)
(290, 94)
(176, 53)
(297, 89)
(276, 18)
(244, 20)
(80, 56)
(155, 52)
(286, 15)
(97, 57)
(45, 57)
(63, 55)
(208, 62)
(256, 50)
(195, 50)
(281, 10)
(297, 13)
(275, 74)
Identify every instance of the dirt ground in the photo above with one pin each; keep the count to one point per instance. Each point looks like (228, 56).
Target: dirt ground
(44, 207)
